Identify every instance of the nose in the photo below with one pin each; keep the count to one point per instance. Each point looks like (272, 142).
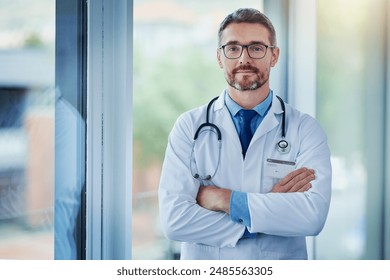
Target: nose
(245, 58)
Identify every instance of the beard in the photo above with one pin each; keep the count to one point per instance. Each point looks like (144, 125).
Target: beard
(246, 82)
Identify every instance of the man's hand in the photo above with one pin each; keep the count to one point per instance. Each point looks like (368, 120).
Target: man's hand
(296, 181)
(214, 198)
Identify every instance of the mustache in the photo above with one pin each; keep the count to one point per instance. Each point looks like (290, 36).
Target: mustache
(245, 68)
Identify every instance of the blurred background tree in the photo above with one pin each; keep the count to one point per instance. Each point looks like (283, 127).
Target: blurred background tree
(169, 85)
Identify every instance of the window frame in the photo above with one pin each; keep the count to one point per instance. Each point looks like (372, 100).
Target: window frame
(376, 136)
(109, 129)
(387, 148)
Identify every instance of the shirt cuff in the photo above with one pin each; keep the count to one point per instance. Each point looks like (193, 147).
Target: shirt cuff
(247, 234)
(239, 210)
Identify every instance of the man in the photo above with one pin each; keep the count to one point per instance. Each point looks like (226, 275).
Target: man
(247, 198)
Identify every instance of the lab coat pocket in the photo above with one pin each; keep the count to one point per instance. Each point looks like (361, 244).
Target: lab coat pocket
(276, 168)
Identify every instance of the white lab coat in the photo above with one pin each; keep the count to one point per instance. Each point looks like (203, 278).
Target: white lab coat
(282, 220)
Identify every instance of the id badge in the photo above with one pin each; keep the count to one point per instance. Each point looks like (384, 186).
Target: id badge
(278, 168)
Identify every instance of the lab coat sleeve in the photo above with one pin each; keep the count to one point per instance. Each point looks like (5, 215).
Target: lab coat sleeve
(182, 219)
(300, 213)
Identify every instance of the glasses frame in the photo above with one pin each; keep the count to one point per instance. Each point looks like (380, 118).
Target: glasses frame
(247, 49)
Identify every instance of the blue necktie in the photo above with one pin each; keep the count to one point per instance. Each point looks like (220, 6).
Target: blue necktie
(245, 128)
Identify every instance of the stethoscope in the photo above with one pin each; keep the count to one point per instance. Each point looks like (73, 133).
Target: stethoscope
(282, 146)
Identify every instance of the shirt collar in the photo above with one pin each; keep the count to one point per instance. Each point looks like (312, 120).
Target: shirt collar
(261, 108)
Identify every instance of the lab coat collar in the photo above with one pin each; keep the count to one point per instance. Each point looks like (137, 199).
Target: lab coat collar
(276, 108)
(224, 120)
(220, 102)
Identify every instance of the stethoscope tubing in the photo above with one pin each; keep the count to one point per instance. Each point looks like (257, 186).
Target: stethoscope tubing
(283, 117)
(282, 146)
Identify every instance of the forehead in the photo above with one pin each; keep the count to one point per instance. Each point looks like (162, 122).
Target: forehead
(245, 33)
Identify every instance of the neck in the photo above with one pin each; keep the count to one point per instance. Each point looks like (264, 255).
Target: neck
(249, 99)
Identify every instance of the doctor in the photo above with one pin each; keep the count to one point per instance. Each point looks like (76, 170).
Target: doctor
(227, 190)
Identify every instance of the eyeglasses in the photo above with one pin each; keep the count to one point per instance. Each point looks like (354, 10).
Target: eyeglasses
(256, 51)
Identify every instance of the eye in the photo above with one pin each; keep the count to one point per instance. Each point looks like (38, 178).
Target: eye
(257, 48)
(232, 48)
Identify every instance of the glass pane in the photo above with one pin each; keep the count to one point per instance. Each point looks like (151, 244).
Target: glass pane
(342, 95)
(70, 129)
(27, 32)
(175, 69)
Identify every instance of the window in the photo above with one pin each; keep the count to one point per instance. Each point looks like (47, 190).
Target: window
(42, 114)
(70, 129)
(27, 37)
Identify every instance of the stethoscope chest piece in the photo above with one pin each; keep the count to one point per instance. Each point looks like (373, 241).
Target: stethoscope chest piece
(283, 147)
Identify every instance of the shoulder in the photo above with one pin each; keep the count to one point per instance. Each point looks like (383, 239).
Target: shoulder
(188, 121)
(303, 122)
(192, 116)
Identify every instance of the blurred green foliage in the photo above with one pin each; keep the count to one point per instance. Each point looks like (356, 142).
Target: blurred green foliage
(165, 86)
(34, 40)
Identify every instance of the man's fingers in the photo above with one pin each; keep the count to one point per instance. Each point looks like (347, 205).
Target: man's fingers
(301, 182)
(294, 174)
(300, 188)
(296, 181)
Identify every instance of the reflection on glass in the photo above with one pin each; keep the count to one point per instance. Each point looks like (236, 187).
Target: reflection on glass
(175, 69)
(69, 182)
(70, 130)
(26, 129)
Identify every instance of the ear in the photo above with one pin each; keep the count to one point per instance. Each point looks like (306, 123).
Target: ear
(219, 58)
(275, 56)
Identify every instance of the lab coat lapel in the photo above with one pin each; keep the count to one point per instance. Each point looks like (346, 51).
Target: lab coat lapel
(270, 121)
(224, 120)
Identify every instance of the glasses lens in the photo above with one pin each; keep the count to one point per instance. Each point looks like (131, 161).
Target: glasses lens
(257, 50)
(232, 51)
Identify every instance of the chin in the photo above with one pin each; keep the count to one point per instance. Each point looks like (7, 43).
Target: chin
(246, 87)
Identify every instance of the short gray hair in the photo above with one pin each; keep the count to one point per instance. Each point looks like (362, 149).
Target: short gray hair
(248, 15)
